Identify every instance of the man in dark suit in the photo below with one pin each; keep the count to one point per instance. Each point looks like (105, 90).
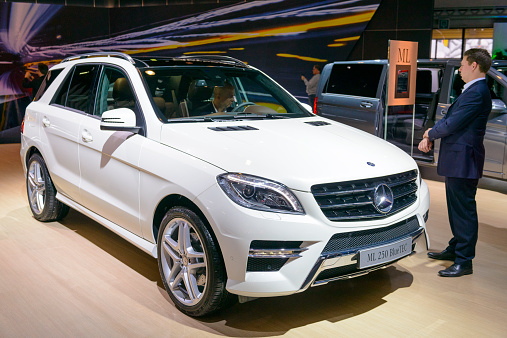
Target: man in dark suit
(461, 160)
(223, 98)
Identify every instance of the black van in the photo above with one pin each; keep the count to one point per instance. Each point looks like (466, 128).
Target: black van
(353, 92)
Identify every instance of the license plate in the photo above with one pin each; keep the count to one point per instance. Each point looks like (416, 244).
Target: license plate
(385, 253)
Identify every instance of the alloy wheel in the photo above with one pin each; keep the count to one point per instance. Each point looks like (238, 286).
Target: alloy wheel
(36, 187)
(184, 261)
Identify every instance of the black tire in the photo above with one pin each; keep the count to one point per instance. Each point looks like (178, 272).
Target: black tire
(42, 192)
(203, 292)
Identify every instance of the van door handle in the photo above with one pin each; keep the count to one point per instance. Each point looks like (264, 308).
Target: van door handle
(366, 104)
(86, 136)
(46, 122)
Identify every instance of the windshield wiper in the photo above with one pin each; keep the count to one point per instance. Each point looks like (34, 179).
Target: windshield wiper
(259, 116)
(193, 119)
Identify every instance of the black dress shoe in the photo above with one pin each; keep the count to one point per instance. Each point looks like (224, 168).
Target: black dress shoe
(457, 270)
(445, 255)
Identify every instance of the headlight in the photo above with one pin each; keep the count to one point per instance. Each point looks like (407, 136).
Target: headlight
(259, 194)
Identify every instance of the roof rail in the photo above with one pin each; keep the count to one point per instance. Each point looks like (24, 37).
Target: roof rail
(98, 54)
(222, 58)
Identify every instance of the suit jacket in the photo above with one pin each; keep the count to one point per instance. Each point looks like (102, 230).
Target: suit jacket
(462, 132)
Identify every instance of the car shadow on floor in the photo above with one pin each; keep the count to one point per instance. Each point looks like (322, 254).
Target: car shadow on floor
(114, 245)
(333, 302)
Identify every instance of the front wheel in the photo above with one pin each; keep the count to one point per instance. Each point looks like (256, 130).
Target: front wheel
(191, 265)
(42, 192)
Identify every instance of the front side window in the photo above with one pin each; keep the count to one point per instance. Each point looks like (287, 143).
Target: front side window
(354, 79)
(206, 93)
(114, 91)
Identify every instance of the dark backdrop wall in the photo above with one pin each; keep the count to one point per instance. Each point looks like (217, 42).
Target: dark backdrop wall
(396, 20)
(281, 37)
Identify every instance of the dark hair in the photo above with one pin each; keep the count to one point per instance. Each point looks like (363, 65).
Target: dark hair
(481, 57)
(43, 68)
(318, 67)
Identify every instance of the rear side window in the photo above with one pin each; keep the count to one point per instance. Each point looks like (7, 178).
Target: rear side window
(79, 93)
(354, 79)
(50, 77)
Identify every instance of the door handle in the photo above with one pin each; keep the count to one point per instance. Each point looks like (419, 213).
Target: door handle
(366, 104)
(45, 122)
(86, 136)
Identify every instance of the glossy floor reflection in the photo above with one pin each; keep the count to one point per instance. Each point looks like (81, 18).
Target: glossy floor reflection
(76, 278)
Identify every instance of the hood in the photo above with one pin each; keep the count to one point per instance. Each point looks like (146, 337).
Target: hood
(296, 152)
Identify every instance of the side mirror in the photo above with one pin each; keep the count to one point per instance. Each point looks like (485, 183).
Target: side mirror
(498, 106)
(121, 119)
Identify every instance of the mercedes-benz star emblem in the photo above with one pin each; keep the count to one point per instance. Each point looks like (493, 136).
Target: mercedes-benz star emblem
(383, 198)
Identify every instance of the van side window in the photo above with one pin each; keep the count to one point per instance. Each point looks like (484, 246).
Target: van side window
(354, 79)
(496, 89)
(457, 86)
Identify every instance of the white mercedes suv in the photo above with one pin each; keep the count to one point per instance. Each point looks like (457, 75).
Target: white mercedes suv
(261, 199)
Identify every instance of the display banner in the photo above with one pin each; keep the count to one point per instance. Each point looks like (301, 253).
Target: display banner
(402, 57)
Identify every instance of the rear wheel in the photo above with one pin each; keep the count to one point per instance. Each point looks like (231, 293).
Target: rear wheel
(42, 192)
(191, 265)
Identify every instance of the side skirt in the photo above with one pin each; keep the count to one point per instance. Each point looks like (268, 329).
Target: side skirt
(146, 246)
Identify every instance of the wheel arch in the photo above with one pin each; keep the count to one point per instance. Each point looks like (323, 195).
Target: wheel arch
(29, 152)
(177, 200)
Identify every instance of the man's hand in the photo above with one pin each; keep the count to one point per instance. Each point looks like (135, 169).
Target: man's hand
(303, 78)
(425, 145)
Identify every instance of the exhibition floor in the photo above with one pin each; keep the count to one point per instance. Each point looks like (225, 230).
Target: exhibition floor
(76, 278)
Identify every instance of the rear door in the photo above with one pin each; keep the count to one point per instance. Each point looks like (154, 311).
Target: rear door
(60, 122)
(350, 92)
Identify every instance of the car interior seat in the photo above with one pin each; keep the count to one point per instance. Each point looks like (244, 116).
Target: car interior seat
(122, 94)
(199, 94)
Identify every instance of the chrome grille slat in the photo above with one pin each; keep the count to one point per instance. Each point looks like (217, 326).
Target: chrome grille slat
(345, 205)
(345, 192)
(353, 200)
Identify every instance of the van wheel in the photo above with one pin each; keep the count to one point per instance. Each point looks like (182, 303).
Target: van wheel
(191, 265)
(42, 192)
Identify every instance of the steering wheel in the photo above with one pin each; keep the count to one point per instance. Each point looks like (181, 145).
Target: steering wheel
(244, 104)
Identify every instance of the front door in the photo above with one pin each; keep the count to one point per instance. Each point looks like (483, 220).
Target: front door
(109, 159)
(496, 130)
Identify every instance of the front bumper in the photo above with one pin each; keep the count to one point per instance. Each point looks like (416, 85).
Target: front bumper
(271, 254)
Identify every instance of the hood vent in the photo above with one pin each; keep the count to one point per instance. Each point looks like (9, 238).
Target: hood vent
(318, 123)
(232, 128)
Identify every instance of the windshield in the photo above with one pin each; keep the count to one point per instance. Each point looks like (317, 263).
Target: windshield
(202, 94)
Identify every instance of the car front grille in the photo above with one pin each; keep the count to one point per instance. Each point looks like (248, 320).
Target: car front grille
(348, 241)
(354, 200)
